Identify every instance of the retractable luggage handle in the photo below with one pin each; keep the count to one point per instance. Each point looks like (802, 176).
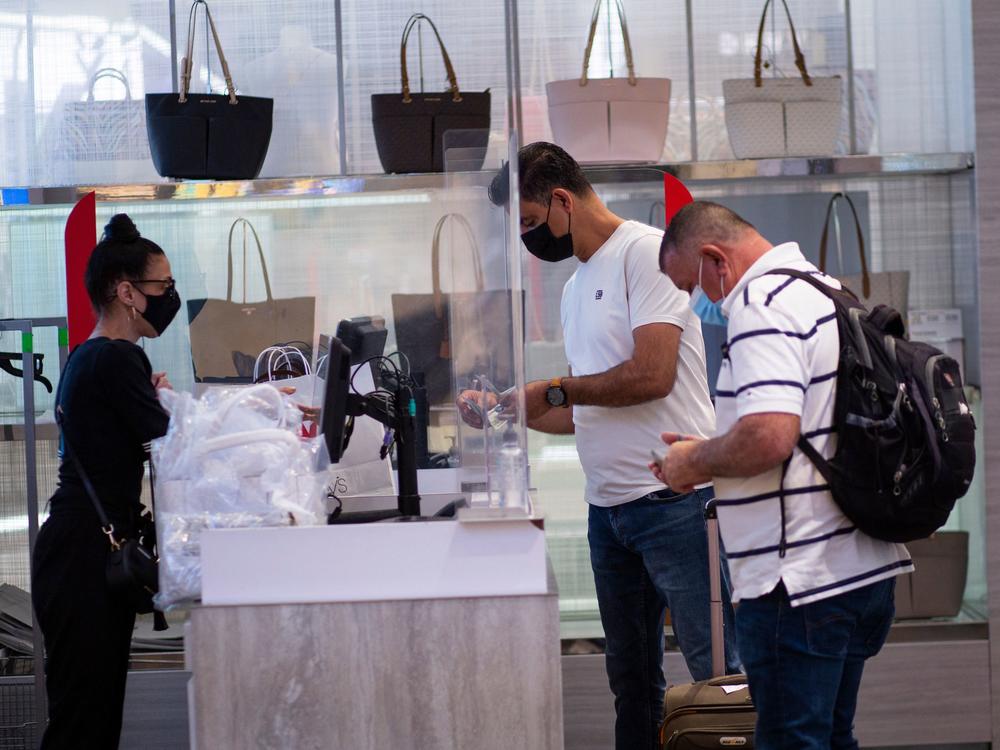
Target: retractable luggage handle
(715, 589)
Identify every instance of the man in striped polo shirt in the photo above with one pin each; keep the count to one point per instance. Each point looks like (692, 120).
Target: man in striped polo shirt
(815, 594)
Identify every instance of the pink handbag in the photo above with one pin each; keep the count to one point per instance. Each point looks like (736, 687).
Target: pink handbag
(610, 119)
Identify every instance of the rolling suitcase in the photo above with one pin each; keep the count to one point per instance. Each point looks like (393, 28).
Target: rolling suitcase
(717, 712)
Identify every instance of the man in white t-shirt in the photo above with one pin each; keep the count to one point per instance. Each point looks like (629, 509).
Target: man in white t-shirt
(815, 594)
(637, 363)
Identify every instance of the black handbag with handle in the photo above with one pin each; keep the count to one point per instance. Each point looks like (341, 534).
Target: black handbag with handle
(413, 131)
(208, 136)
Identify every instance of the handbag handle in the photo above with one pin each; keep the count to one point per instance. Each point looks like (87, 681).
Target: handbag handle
(866, 284)
(187, 64)
(625, 38)
(109, 73)
(652, 212)
(229, 261)
(449, 69)
(477, 263)
(800, 60)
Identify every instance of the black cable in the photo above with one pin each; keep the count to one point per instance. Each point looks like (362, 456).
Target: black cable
(377, 358)
(402, 358)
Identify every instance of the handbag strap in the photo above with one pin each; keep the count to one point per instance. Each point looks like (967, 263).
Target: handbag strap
(625, 38)
(187, 64)
(449, 69)
(477, 262)
(652, 212)
(106, 526)
(229, 261)
(831, 207)
(109, 73)
(800, 60)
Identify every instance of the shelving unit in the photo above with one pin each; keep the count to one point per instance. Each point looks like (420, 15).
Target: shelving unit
(844, 167)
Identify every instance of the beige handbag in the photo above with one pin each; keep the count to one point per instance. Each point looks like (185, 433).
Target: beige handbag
(227, 335)
(776, 117)
(890, 288)
(610, 119)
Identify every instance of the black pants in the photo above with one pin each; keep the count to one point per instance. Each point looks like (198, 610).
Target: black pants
(87, 634)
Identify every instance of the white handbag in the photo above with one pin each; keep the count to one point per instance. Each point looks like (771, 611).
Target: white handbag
(610, 119)
(776, 117)
(890, 288)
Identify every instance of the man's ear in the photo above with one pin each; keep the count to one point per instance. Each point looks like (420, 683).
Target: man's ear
(717, 257)
(711, 254)
(564, 199)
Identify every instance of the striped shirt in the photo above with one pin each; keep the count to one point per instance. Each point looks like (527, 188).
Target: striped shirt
(781, 356)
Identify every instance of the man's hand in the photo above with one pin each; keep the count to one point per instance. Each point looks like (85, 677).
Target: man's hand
(473, 405)
(160, 381)
(681, 470)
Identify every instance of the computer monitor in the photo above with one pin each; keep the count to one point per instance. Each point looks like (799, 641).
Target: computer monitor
(365, 336)
(336, 373)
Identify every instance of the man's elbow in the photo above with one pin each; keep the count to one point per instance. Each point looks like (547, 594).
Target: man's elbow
(661, 385)
(776, 448)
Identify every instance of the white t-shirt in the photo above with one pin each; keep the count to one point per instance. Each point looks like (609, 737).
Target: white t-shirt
(619, 289)
(781, 356)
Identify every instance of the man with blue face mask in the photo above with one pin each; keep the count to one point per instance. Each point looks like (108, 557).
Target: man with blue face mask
(637, 363)
(815, 593)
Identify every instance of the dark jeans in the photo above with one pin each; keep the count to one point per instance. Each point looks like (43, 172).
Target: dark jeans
(87, 634)
(804, 663)
(647, 555)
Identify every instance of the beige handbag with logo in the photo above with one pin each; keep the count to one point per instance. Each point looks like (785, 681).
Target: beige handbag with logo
(890, 288)
(610, 119)
(776, 117)
(227, 334)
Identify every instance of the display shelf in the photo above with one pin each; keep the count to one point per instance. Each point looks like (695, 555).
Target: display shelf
(892, 165)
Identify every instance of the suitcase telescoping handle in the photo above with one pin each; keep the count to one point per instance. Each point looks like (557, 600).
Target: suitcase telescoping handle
(715, 589)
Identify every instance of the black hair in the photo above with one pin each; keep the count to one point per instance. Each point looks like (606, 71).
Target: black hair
(542, 167)
(122, 254)
(702, 222)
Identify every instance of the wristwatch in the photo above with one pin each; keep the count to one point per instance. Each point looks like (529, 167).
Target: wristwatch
(555, 394)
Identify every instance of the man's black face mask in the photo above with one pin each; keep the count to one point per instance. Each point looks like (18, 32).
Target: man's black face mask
(544, 245)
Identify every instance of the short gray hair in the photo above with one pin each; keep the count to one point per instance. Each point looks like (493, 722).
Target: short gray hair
(700, 223)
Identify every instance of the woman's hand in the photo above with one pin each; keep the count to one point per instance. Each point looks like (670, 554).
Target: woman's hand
(160, 382)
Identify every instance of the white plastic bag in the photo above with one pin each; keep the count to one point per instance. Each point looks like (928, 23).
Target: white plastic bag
(231, 459)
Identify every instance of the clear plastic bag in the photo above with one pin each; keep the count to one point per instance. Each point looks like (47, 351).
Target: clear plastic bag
(232, 459)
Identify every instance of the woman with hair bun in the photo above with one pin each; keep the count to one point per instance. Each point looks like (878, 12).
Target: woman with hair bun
(109, 411)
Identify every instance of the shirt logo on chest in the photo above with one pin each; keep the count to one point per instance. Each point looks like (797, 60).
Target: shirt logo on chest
(599, 294)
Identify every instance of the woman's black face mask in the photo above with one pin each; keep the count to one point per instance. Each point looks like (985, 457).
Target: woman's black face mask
(161, 308)
(541, 243)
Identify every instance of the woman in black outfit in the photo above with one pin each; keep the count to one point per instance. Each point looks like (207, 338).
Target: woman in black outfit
(109, 411)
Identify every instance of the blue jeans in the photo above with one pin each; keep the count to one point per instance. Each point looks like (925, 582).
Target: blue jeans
(647, 555)
(804, 663)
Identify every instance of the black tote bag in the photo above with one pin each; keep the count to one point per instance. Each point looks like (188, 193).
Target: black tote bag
(207, 136)
(413, 131)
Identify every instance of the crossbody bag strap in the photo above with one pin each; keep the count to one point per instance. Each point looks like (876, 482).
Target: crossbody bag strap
(629, 61)
(106, 526)
(416, 18)
(187, 63)
(800, 59)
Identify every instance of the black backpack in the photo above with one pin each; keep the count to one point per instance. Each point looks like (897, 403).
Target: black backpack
(905, 434)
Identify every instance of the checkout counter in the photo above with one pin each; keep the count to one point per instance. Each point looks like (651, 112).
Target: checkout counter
(425, 619)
